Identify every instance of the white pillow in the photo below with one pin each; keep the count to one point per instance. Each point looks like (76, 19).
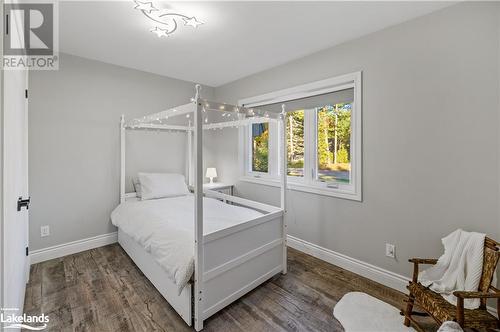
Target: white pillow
(159, 185)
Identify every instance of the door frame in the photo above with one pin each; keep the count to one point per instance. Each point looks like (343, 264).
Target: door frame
(2, 280)
(6, 192)
(26, 140)
(3, 252)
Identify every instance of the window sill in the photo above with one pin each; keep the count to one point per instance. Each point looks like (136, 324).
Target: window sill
(338, 193)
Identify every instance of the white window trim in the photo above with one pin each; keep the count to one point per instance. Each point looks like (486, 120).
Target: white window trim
(352, 191)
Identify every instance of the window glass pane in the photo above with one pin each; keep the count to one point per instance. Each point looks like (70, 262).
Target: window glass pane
(295, 143)
(260, 147)
(334, 143)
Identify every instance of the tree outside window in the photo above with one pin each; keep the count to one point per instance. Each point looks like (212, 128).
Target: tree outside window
(334, 142)
(260, 147)
(295, 143)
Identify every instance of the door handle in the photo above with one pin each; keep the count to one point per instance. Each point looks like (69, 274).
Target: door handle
(23, 203)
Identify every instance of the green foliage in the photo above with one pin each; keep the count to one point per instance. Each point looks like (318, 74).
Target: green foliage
(296, 164)
(295, 142)
(295, 136)
(324, 153)
(333, 144)
(261, 151)
(334, 135)
(342, 156)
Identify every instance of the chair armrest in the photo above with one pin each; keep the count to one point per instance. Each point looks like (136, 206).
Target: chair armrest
(417, 261)
(476, 295)
(461, 295)
(431, 261)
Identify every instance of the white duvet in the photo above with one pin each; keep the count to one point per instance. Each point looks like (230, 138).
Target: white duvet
(165, 228)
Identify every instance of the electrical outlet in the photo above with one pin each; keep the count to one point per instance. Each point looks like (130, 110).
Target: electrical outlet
(390, 250)
(44, 231)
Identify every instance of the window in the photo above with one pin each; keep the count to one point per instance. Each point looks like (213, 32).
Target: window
(295, 143)
(260, 147)
(334, 143)
(323, 138)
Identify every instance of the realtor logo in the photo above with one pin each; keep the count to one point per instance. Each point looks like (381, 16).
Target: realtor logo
(11, 319)
(30, 36)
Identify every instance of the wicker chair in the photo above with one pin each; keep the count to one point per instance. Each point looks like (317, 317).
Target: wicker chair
(441, 310)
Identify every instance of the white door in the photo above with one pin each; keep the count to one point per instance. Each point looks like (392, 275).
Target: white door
(15, 236)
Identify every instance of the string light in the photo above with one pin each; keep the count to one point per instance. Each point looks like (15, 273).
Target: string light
(229, 116)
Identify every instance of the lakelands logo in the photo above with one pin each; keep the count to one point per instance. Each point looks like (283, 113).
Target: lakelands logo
(10, 320)
(31, 40)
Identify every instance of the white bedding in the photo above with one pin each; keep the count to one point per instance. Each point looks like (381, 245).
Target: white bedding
(165, 228)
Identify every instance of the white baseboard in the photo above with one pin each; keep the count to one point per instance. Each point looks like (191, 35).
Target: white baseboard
(372, 272)
(61, 250)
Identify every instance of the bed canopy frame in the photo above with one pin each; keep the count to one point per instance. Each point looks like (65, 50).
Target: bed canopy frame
(193, 118)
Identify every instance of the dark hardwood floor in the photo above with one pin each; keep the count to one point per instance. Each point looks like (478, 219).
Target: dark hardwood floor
(102, 290)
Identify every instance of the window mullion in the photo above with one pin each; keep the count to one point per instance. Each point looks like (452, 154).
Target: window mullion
(243, 149)
(249, 145)
(308, 148)
(273, 149)
(307, 170)
(314, 145)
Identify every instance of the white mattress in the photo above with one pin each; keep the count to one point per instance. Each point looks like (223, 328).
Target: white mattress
(165, 228)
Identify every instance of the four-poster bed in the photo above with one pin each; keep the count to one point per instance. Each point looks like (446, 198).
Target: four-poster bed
(229, 261)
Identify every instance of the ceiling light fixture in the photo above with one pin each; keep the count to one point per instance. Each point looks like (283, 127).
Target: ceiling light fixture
(166, 22)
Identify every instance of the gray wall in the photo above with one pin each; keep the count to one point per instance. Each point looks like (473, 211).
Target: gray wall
(498, 94)
(74, 143)
(430, 137)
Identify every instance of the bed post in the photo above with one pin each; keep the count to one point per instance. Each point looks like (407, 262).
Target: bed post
(190, 154)
(122, 158)
(283, 172)
(198, 213)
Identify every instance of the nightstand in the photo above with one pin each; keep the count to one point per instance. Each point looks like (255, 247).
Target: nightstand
(224, 188)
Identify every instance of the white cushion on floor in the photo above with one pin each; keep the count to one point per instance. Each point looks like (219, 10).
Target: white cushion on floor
(358, 311)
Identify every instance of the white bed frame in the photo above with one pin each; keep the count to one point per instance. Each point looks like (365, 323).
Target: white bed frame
(229, 262)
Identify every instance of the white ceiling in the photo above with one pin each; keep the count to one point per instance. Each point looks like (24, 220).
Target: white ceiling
(238, 38)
